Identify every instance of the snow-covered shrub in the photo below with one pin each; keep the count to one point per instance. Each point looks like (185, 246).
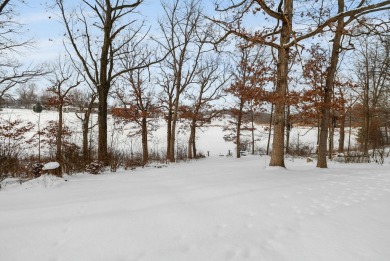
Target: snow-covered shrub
(35, 169)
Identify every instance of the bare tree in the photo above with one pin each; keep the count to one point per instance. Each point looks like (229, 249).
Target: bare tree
(27, 94)
(12, 71)
(136, 93)
(97, 35)
(63, 79)
(85, 103)
(138, 106)
(210, 80)
(185, 34)
(247, 88)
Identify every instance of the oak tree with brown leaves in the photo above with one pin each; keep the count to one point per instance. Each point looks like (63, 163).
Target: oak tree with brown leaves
(288, 24)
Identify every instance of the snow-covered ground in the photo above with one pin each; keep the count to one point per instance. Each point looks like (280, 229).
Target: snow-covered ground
(217, 209)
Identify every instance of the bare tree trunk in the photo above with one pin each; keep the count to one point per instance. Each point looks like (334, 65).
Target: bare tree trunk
(288, 130)
(169, 132)
(191, 140)
(366, 108)
(102, 126)
(318, 133)
(331, 138)
(330, 75)
(173, 133)
(342, 131)
(350, 130)
(190, 145)
(194, 143)
(238, 131)
(238, 140)
(253, 130)
(145, 151)
(277, 155)
(85, 129)
(59, 136)
(270, 128)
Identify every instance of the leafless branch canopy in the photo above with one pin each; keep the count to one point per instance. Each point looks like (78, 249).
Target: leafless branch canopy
(310, 19)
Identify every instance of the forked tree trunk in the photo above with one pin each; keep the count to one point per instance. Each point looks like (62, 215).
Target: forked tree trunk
(342, 128)
(330, 75)
(342, 134)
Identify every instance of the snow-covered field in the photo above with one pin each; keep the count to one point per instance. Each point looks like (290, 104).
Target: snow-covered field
(214, 209)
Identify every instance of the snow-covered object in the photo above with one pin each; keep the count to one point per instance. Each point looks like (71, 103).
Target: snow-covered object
(44, 181)
(51, 165)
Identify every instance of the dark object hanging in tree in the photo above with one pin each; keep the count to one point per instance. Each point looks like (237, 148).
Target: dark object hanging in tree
(37, 107)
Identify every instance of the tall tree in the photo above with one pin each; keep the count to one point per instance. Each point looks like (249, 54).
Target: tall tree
(137, 97)
(329, 86)
(84, 101)
(247, 89)
(209, 82)
(63, 79)
(137, 92)
(97, 36)
(184, 35)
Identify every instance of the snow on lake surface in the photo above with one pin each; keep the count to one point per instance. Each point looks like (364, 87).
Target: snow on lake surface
(215, 209)
(209, 138)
